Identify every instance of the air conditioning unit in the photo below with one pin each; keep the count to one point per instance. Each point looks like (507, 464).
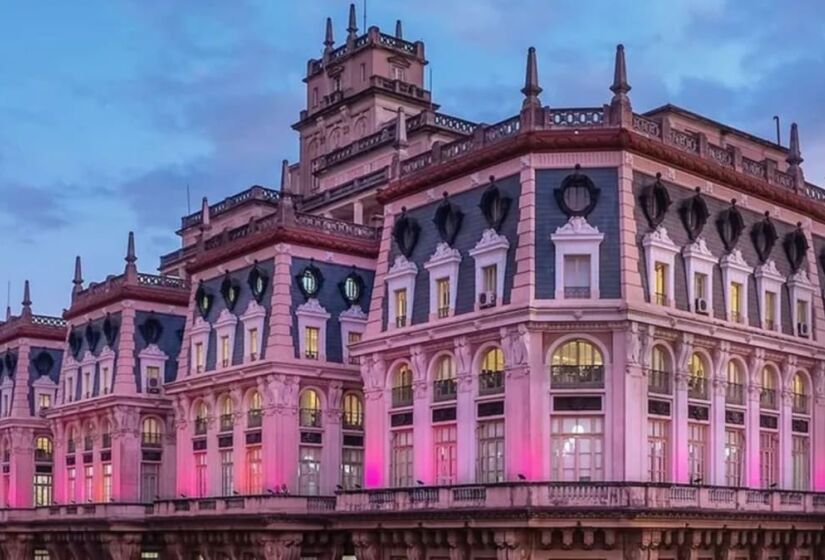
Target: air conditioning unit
(701, 305)
(153, 385)
(486, 299)
(803, 329)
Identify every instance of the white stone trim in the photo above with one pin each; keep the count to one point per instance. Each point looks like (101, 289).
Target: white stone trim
(801, 289)
(199, 335)
(443, 263)
(660, 248)
(225, 328)
(352, 320)
(106, 359)
(400, 277)
(68, 373)
(152, 356)
(491, 249)
(699, 260)
(312, 314)
(87, 372)
(253, 318)
(577, 237)
(768, 279)
(735, 269)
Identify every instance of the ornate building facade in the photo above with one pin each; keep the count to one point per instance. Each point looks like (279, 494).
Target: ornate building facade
(576, 333)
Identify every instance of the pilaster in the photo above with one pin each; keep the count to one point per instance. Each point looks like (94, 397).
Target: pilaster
(422, 419)
(465, 413)
(518, 448)
(679, 453)
(280, 322)
(524, 278)
(125, 383)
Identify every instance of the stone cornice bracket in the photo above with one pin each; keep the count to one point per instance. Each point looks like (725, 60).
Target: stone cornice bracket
(418, 358)
(684, 348)
(463, 355)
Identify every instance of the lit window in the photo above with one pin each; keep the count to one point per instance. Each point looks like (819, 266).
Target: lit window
(697, 378)
(767, 396)
(71, 480)
(87, 383)
(734, 457)
(225, 354)
(444, 442)
(227, 419)
(658, 439)
(254, 471)
(227, 472)
(444, 386)
(309, 470)
(107, 482)
(89, 483)
(352, 468)
(106, 381)
(660, 372)
(401, 458)
(577, 276)
(442, 288)
(735, 390)
(199, 357)
(153, 379)
(201, 418)
(800, 462)
(802, 317)
(254, 417)
(799, 395)
(697, 452)
(736, 302)
(400, 307)
(253, 344)
(770, 310)
(353, 412)
(150, 432)
(310, 409)
(490, 445)
(402, 386)
(660, 284)
(201, 475)
(311, 342)
(491, 378)
(769, 458)
(577, 364)
(353, 337)
(578, 448)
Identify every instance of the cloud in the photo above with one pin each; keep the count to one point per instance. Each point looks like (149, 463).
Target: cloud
(29, 209)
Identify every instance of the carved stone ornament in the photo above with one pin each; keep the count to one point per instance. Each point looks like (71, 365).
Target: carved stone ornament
(514, 346)
(230, 290)
(764, 236)
(447, 220)
(352, 288)
(151, 330)
(655, 201)
(257, 282)
(310, 281)
(796, 246)
(730, 225)
(203, 300)
(405, 233)
(577, 195)
(694, 214)
(494, 205)
(43, 363)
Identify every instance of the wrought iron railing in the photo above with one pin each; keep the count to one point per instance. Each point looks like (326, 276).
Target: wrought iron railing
(735, 393)
(310, 417)
(444, 389)
(659, 382)
(402, 395)
(490, 382)
(576, 376)
(697, 387)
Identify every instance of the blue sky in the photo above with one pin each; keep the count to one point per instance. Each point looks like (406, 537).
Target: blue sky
(109, 109)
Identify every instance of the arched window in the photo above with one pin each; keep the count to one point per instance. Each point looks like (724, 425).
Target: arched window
(767, 396)
(201, 418)
(698, 379)
(42, 480)
(150, 432)
(444, 385)
(254, 416)
(491, 378)
(577, 364)
(310, 409)
(735, 391)
(402, 386)
(227, 414)
(106, 435)
(71, 440)
(661, 371)
(353, 412)
(799, 394)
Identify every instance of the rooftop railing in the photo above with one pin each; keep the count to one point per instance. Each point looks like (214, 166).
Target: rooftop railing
(372, 37)
(256, 192)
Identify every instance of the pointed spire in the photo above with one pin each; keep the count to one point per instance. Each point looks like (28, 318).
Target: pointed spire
(131, 259)
(531, 89)
(285, 179)
(328, 39)
(8, 313)
(78, 276)
(352, 28)
(401, 128)
(206, 217)
(794, 153)
(27, 299)
(399, 33)
(620, 86)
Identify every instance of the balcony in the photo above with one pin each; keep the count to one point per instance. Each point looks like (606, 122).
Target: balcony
(311, 354)
(577, 292)
(444, 389)
(577, 377)
(490, 382)
(150, 439)
(697, 387)
(310, 417)
(443, 312)
(106, 441)
(254, 418)
(767, 399)
(353, 420)
(234, 505)
(799, 403)
(735, 394)
(401, 321)
(200, 426)
(43, 456)
(402, 395)
(88, 443)
(658, 382)
(227, 422)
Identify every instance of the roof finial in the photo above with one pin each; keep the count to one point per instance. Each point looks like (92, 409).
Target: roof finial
(131, 259)
(352, 28)
(531, 89)
(78, 276)
(8, 313)
(206, 217)
(794, 158)
(620, 86)
(328, 40)
(27, 299)
(399, 33)
(401, 128)
(285, 178)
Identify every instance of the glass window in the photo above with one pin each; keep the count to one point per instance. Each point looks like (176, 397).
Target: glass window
(227, 473)
(659, 378)
(767, 396)
(734, 457)
(254, 417)
(150, 432)
(43, 449)
(444, 452)
(352, 468)
(311, 342)
(352, 290)
(198, 357)
(700, 283)
(254, 471)
(658, 438)
(770, 310)
(444, 387)
(107, 482)
(769, 458)
(489, 278)
(353, 338)
(735, 391)
(402, 386)
(799, 394)
(400, 308)
(801, 462)
(89, 483)
(491, 378)
(309, 471)
(107, 381)
(87, 383)
(660, 283)
(577, 276)
(253, 344)
(44, 401)
(442, 288)
(201, 475)
(577, 363)
(802, 311)
(227, 420)
(310, 409)
(401, 458)
(353, 412)
(697, 379)
(225, 355)
(309, 282)
(578, 448)
(71, 484)
(149, 476)
(153, 379)
(42, 489)
(490, 436)
(201, 418)
(697, 452)
(736, 302)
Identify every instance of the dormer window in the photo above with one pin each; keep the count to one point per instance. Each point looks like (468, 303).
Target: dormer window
(577, 276)
(44, 401)
(577, 259)
(736, 275)
(87, 384)
(401, 307)
(802, 321)
(700, 288)
(68, 389)
(770, 311)
(225, 353)
(736, 302)
(153, 379)
(660, 290)
(105, 380)
(311, 342)
(443, 294)
(253, 344)
(199, 357)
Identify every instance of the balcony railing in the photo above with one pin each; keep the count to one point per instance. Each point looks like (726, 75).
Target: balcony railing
(150, 439)
(443, 312)
(444, 389)
(43, 456)
(310, 417)
(660, 299)
(735, 393)
(767, 399)
(490, 382)
(353, 420)
(799, 403)
(574, 377)
(402, 395)
(697, 387)
(71, 446)
(200, 426)
(227, 422)
(88, 443)
(577, 292)
(106, 441)
(401, 321)
(658, 382)
(254, 418)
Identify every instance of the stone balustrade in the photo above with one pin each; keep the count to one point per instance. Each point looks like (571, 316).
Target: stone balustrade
(256, 192)
(240, 505)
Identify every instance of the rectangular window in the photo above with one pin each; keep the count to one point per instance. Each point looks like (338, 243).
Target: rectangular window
(397, 73)
(42, 489)
(697, 452)
(490, 436)
(227, 473)
(577, 276)
(199, 357)
(254, 471)
(309, 471)
(660, 284)
(400, 308)
(700, 285)
(769, 459)
(444, 439)
(734, 457)
(353, 338)
(442, 289)
(311, 342)
(152, 379)
(41, 554)
(106, 381)
(401, 460)
(107, 482)
(149, 476)
(253, 344)
(658, 450)
(352, 468)
(201, 476)
(44, 401)
(225, 354)
(315, 97)
(89, 483)
(802, 317)
(801, 462)
(770, 310)
(87, 384)
(489, 278)
(578, 448)
(736, 302)
(363, 72)
(5, 404)
(71, 483)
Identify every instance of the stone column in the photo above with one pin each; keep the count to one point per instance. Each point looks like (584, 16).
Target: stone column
(126, 455)
(168, 460)
(287, 433)
(524, 277)
(679, 454)
(465, 413)
(785, 423)
(213, 455)
(517, 450)
(21, 465)
(124, 381)
(239, 470)
(629, 418)
(183, 450)
(332, 440)
(377, 395)
(423, 464)
(59, 469)
(716, 470)
(752, 460)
